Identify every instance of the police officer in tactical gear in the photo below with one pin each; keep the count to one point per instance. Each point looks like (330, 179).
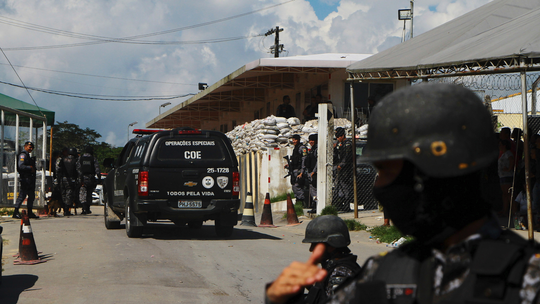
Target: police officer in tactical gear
(310, 169)
(66, 172)
(26, 166)
(87, 168)
(343, 158)
(337, 259)
(297, 161)
(430, 144)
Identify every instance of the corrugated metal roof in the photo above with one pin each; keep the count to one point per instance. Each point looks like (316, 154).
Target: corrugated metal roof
(248, 84)
(498, 30)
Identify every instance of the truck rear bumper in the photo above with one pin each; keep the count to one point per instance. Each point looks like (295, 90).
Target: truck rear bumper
(218, 206)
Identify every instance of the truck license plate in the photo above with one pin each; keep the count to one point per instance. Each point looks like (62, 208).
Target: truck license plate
(189, 204)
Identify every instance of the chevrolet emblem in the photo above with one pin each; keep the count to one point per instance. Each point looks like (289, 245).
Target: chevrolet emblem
(190, 184)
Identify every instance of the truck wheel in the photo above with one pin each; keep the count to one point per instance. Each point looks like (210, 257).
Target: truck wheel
(195, 224)
(134, 228)
(112, 221)
(223, 231)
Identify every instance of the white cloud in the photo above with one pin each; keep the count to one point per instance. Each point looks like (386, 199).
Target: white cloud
(356, 27)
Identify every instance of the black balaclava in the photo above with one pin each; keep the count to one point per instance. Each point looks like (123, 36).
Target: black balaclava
(431, 209)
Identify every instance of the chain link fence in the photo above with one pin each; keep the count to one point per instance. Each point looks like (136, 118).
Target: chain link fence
(501, 94)
(343, 190)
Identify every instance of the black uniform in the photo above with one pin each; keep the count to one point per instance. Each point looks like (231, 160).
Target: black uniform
(297, 162)
(493, 260)
(26, 166)
(87, 168)
(343, 157)
(285, 110)
(310, 166)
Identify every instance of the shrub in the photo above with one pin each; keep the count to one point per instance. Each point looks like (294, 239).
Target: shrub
(387, 234)
(329, 210)
(281, 197)
(354, 225)
(6, 211)
(299, 208)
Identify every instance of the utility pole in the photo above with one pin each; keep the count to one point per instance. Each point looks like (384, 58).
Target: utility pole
(412, 17)
(276, 48)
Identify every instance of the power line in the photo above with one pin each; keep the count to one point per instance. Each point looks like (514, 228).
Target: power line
(23, 85)
(129, 39)
(98, 97)
(101, 76)
(206, 41)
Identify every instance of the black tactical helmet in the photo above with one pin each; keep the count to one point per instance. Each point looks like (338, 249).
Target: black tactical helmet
(89, 150)
(328, 229)
(73, 151)
(340, 132)
(443, 129)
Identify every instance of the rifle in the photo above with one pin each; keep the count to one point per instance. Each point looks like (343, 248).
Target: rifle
(289, 167)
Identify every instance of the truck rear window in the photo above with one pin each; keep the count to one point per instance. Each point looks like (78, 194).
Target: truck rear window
(192, 149)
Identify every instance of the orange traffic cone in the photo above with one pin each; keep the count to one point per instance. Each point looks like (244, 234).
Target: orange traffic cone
(248, 218)
(292, 218)
(266, 217)
(28, 254)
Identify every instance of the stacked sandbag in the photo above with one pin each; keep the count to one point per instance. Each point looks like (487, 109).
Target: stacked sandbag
(273, 131)
(262, 134)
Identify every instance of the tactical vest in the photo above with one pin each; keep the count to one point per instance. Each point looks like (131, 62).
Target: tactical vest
(496, 274)
(317, 293)
(70, 166)
(87, 165)
(296, 158)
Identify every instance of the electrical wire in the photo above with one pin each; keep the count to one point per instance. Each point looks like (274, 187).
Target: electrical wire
(101, 76)
(206, 41)
(23, 85)
(98, 97)
(129, 39)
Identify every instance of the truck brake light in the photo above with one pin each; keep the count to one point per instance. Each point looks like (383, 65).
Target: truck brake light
(146, 131)
(236, 183)
(186, 132)
(143, 183)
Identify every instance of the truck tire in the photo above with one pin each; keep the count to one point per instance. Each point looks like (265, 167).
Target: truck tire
(223, 231)
(134, 227)
(112, 221)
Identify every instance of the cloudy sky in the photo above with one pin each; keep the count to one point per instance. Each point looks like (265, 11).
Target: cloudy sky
(138, 49)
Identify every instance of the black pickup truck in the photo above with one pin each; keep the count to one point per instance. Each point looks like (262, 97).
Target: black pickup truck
(183, 175)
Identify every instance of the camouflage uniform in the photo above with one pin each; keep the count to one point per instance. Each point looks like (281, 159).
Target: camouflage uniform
(450, 270)
(310, 166)
(68, 180)
(297, 163)
(343, 195)
(87, 168)
(340, 267)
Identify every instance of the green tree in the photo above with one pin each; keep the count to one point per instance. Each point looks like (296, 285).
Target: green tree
(104, 150)
(70, 135)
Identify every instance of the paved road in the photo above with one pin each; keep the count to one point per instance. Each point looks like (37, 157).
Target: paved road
(88, 264)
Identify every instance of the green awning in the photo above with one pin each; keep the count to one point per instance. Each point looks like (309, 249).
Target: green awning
(20, 105)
